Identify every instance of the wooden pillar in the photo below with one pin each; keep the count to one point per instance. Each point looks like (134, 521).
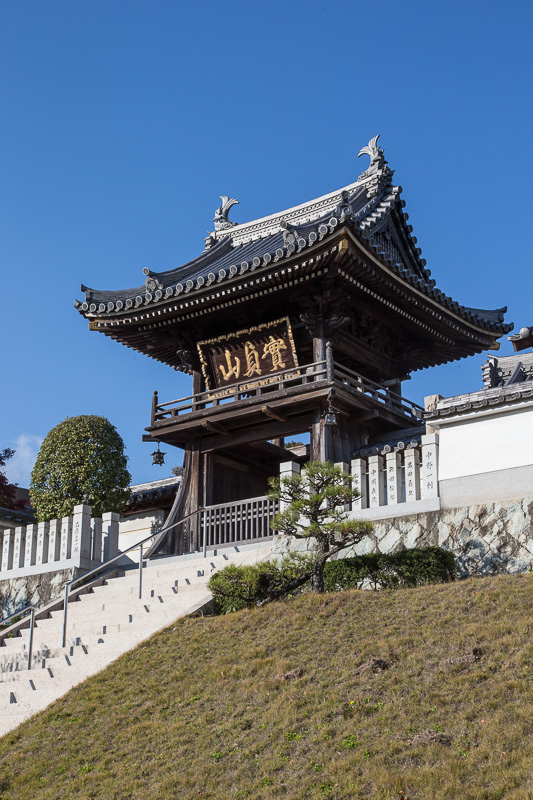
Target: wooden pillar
(318, 441)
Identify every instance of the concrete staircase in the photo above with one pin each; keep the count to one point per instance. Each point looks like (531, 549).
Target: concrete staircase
(105, 623)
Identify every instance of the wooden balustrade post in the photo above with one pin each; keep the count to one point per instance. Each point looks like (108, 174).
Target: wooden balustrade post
(330, 364)
(155, 401)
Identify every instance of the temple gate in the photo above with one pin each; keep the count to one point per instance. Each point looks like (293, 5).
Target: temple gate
(305, 321)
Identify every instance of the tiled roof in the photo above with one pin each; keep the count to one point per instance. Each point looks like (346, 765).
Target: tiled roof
(365, 207)
(485, 398)
(153, 492)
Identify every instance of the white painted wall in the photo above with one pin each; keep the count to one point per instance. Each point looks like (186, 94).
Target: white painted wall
(136, 528)
(485, 441)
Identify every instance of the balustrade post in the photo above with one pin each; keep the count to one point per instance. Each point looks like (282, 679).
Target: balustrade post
(30, 642)
(19, 547)
(359, 483)
(394, 478)
(155, 401)
(66, 538)
(7, 549)
(96, 541)
(31, 546)
(412, 475)
(430, 454)
(375, 481)
(109, 535)
(345, 467)
(330, 364)
(81, 536)
(54, 541)
(42, 542)
(287, 469)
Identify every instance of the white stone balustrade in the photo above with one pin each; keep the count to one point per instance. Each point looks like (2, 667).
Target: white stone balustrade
(398, 481)
(78, 541)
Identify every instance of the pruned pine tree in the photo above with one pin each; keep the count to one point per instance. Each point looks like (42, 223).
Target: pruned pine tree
(314, 509)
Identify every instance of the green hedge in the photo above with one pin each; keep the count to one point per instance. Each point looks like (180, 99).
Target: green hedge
(390, 571)
(234, 587)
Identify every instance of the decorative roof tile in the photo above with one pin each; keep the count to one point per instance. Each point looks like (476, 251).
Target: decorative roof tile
(372, 208)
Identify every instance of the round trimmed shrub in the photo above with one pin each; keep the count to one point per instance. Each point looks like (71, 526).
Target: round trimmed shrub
(81, 460)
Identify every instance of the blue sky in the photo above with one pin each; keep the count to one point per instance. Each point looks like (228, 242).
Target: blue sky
(123, 122)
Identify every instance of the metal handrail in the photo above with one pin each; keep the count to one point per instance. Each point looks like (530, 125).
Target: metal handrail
(32, 609)
(116, 558)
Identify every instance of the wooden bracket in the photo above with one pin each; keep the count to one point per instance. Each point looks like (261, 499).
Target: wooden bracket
(213, 427)
(273, 414)
(343, 248)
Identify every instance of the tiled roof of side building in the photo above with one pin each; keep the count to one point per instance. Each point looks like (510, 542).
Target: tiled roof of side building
(365, 207)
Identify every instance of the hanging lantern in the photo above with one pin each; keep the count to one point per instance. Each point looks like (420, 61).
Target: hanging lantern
(330, 417)
(158, 457)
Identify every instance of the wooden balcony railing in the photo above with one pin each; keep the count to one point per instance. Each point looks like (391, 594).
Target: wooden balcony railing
(317, 373)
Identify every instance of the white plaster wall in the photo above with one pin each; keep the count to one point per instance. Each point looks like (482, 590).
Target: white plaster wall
(485, 443)
(132, 530)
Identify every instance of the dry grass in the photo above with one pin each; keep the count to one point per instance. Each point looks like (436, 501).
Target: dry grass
(419, 693)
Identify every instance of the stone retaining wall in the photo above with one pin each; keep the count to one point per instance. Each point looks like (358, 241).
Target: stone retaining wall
(16, 593)
(487, 539)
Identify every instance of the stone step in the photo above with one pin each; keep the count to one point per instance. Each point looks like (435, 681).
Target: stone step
(92, 629)
(104, 623)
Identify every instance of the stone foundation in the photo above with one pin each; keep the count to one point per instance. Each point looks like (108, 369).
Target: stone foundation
(487, 539)
(16, 593)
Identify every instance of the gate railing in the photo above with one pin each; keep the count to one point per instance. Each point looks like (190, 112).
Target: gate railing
(242, 521)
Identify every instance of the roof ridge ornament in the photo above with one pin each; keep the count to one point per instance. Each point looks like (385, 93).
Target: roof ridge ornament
(221, 214)
(378, 170)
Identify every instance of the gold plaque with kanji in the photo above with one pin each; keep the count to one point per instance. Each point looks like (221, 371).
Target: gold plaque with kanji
(253, 355)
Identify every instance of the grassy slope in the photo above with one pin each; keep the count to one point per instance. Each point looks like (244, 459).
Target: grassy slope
(201, 712)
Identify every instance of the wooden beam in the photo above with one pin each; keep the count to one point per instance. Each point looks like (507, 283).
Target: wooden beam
(214, 427)
(267, 430)
(273, 414)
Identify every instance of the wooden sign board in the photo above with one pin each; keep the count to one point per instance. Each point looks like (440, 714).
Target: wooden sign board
(252, 355)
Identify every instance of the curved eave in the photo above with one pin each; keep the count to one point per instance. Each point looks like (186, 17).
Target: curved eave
(215, 285)
(406, 296)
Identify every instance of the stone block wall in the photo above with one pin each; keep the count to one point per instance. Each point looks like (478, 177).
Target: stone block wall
(39, 590)
(487, 539)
